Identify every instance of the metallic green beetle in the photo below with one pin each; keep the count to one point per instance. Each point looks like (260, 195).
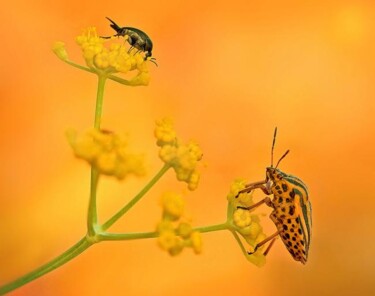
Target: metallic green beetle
(136, 38)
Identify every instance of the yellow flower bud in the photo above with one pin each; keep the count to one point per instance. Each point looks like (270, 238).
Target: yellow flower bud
(167, 240)
(177, 247)
(165, 226)
(241, 218)
(184, 230)
(257, 258)
(59, 49)
(194, 180)
(143, 78)
(106, 163)
(167, 153)
(173, 205)
(164, 131)
(235, 187)
(196, 242)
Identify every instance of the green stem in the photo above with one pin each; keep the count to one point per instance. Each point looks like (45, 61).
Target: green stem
(210, 228)
(240, 243)
(80, 67)
(120, 80)
(126, 236)
(92, 216)
(99, 100)
(135, 199)
(85, 243)
(112, 77)
(68, 255)
(143, 235)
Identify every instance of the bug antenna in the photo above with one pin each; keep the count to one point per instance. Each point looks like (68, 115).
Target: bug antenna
(273, 145)
(285, 154)
(152, 60)
(114, 26)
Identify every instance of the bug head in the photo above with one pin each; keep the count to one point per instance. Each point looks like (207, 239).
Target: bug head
(273, 173)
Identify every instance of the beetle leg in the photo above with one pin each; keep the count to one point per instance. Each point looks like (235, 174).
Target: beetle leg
(266, 240)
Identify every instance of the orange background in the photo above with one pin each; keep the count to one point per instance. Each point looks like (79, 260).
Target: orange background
(229, 72)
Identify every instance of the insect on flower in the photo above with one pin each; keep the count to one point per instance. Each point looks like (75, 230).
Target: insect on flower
(136, 38)
(291, 209)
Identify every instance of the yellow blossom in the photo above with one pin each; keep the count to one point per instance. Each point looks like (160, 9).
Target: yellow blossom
(251, 231)
(194, 180)
(107, 152)
(235, 187)
(104, 59)
(177, 247)
(165, 226)
(174, 235)
(184, 158)
(196, 242)
(257, 258)
(184, 230)
(114, 59)
(142, 78)
(245, 222)
(59, 49)
(173, 205)
(164, 132)
(241, 218)
(167, 240)
(168, 153)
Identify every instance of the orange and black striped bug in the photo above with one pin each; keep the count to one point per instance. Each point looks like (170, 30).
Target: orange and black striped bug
(291, 209)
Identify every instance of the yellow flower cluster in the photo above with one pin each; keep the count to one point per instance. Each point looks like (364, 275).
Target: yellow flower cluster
(174, 234)
(184, 158)
(107, 152)
(101, 59)
(244, 222)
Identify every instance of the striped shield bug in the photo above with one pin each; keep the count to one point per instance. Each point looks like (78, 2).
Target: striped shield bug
(291, 209)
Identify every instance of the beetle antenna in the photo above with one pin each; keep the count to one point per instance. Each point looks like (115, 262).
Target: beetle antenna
(114, 26)
(153, 61)
(285, 154)
(273, 145)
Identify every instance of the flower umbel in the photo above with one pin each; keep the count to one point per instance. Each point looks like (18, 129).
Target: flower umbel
(107, 60)
(174, 234)
(184, 158)
(107, 152)
(244, 222)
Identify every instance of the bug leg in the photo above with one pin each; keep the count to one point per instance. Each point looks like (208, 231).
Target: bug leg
(271, 237)
(269, 247)
(260, 184)
(265, 200)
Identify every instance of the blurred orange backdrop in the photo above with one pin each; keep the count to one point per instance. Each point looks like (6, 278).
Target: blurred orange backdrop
(229, 72)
